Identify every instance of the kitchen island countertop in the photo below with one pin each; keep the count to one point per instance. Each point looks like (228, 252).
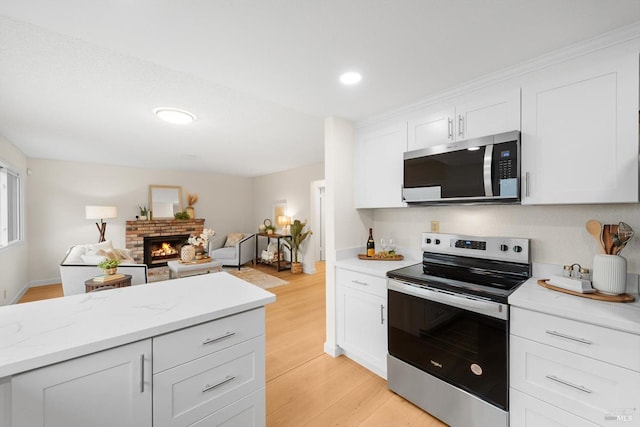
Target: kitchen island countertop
(41, 333)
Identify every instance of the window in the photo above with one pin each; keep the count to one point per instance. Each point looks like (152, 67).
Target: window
(10, 207)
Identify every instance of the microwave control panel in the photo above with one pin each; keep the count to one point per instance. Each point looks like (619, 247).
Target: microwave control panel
(507, 163)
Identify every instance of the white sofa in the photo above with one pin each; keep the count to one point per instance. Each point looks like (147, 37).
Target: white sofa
(235, 255)
(80, 263)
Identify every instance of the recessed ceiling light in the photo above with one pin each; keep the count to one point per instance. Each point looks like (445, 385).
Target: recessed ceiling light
(350, 78)
(174, 115)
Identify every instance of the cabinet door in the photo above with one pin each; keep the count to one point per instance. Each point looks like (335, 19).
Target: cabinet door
(488, 113)
(527, 411)
(580, 130)
(104, 389)
(431, 126)
(379, 157)
(5, 402)
(362, 328)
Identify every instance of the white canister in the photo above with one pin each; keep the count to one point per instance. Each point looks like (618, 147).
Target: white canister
(610, 274)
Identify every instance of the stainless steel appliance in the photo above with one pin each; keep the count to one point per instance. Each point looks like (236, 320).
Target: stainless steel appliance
(448, 327)
(481, 170)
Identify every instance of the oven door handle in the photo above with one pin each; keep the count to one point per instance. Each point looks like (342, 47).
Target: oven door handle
(489, 308)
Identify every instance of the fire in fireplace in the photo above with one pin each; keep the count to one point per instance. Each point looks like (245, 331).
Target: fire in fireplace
(160, 249)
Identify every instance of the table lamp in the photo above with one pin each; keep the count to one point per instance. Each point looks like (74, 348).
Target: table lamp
(101, 213)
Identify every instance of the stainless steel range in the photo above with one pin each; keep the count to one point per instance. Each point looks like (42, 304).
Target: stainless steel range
(448, 327)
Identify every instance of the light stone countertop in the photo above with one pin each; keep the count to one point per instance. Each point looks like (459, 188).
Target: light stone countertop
(374, 268)
(41, 333)
(621, 316)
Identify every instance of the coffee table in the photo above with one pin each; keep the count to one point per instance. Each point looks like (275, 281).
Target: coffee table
(179, 269)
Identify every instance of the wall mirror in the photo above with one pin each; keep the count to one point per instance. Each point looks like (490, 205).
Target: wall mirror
(165, 201)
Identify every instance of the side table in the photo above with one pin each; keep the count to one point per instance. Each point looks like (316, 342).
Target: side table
(91, 285)
(281, 264)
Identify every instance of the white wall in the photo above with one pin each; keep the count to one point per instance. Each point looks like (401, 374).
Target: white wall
(292, 186)
(59, 191)
(345, 226)
(558, 233)
(14, 259)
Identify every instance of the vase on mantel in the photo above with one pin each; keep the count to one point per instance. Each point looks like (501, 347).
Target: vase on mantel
(191, 212)
(187, 253)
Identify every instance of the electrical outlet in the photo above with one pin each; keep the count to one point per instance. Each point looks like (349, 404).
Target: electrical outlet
(435, 226)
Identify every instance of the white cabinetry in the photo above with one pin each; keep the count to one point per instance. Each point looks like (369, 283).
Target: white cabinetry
(559, 363)
(361, 318)
(104, 389)
(379, 163)
(481, 113)
(211, 374)
(580, 130)
(5, 402)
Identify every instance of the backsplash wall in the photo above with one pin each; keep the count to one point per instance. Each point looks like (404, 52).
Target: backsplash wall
(558, 234)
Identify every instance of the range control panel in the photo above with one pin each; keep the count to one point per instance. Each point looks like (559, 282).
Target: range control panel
(499, 248)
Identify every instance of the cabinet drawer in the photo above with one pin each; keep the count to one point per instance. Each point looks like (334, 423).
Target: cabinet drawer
(247, 412)
(527, 411)
(595, 390)
(362, 282)
(190, 392)
(589, 340)
(191, 343)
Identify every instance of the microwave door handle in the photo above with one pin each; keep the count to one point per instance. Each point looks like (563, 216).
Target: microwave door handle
(486, 170)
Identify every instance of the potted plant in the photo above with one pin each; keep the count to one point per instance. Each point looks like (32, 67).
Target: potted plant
(192, 199)
(144, 213)
(109, 266)
(294, 242)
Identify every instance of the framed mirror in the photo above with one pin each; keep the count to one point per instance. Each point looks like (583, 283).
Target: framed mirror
(165, 201)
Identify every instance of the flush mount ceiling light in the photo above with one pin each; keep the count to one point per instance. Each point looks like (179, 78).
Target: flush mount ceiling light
(350, 78)
(174, 115)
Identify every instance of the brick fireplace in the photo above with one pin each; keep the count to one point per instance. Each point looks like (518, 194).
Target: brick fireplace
(136, 231)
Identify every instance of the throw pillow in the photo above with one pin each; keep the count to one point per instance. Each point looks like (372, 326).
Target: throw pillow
(216, 242)
(94, 247)
(75, 255)
(124, 255)
(108, 253)
(233, 239)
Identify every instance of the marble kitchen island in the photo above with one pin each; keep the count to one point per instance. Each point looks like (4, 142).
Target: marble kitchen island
(178, 352)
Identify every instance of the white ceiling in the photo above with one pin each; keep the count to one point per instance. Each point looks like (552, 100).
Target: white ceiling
(79, 78)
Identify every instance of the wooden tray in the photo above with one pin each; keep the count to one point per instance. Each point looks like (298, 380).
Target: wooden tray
(596, 295)
(373, 258)
(197, 261)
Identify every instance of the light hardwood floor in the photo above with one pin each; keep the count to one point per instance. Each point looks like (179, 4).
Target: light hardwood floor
(305, 386)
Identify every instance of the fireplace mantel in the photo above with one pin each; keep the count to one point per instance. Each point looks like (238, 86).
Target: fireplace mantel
(136, 231)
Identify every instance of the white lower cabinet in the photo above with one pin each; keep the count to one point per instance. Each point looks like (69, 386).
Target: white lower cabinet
(565, 376)
(204, 374)
(211, 374)
(104, 389)
(362, 319)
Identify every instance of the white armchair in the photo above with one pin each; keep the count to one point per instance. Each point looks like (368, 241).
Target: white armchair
(234, 249)
(79, 265)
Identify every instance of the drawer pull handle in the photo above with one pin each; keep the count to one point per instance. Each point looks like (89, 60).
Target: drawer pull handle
(216, 339)
(569, 337)
(360, 283)
(567, 383)
(211, 387)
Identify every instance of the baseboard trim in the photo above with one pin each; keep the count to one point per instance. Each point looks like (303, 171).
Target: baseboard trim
(332, 350)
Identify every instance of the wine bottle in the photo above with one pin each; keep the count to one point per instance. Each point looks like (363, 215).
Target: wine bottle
(371, 244)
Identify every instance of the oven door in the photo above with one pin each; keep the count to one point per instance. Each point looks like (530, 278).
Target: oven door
(461, 340)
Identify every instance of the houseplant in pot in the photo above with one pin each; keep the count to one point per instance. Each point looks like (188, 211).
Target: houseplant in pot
(109, 266)
(294, 242)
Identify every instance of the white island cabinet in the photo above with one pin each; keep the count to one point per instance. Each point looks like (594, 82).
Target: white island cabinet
(138, 356)
(580, 130)
(108, 388)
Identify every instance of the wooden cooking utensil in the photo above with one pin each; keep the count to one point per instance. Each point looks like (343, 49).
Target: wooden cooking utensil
(595, 229)
(609, 237)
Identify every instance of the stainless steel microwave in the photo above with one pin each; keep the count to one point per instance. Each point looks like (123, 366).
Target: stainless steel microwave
(480, 170)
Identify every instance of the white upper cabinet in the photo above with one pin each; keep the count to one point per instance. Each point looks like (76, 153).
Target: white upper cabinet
(481, 113)
(379, 163)
(580, 130)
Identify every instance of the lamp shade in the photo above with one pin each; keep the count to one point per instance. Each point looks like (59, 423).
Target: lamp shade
(283, 220)
(100, 212)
